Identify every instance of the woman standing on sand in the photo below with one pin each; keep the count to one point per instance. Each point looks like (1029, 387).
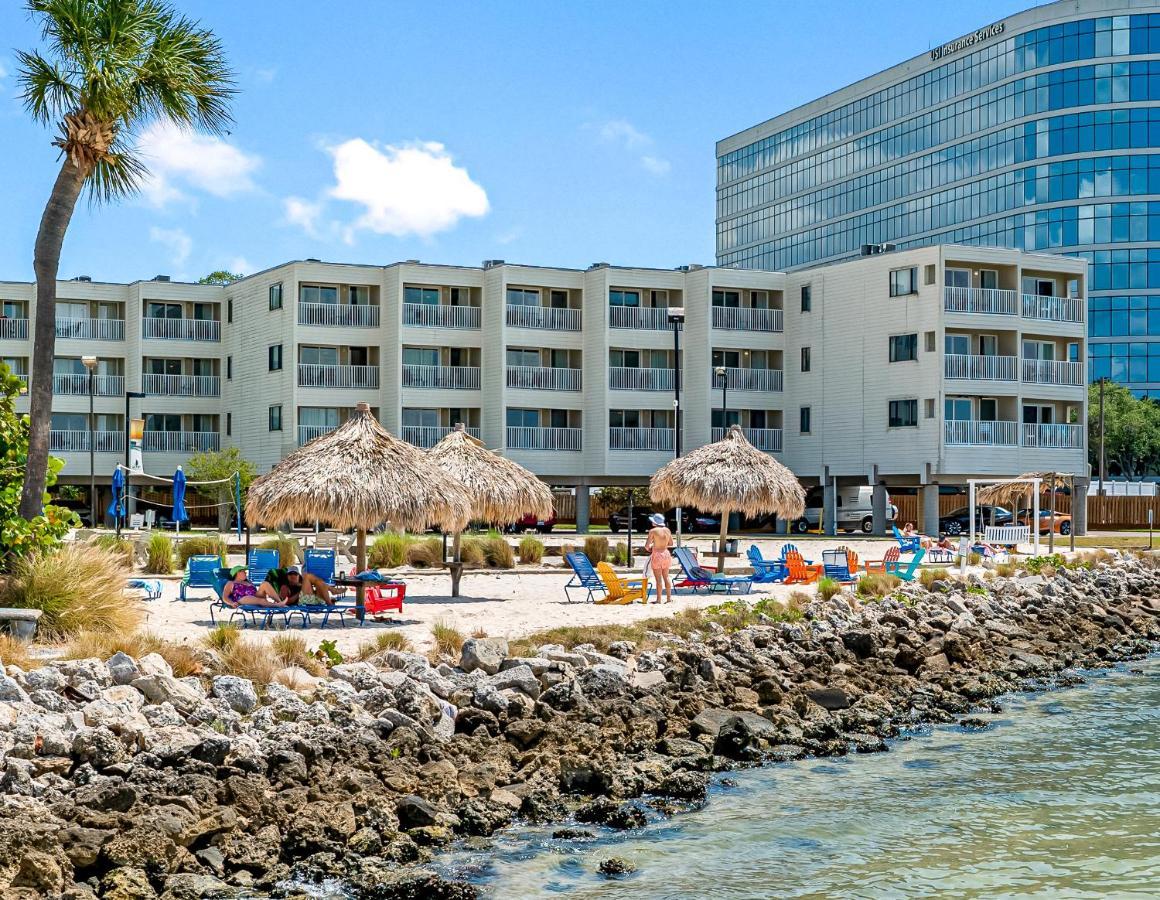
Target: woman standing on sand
(660, 539)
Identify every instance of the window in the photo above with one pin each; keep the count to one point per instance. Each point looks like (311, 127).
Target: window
(559, 300)
(517, 356)
(805, 359)
(928, 408)
(903, 413)
(804, 420)
(155, 310)
(903, 347)
(623, 298)
(274, 354)
(807, 298)
(522, 297)
(276, 418)
(229, 424)
(929, 273)
(759, 299)
(624, 359)
(320, 356)
(230, 310)
(459, 296)
(903, 282)
(523, 418)
(313, 293)
(422, 295)
(957, 278)
(659, 298)
(724, 418)
(162, 422)
(989, 279)
(229, 368)
(930, 339)
(731, 359)
(730, 299)
(418, 356)
(358, 295)
(276, 295)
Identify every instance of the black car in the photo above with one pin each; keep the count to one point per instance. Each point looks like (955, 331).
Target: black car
(957, 521)
(618, 520)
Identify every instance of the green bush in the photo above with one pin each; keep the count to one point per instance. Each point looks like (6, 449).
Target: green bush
(531, 549)
(620, 554)
(498, 552)
(425, 553)
(596, 548)
(159, 554)
(289, 550)
(877, 585)
(118, 546)
(200, 545)
(828, 587)
(927, 577)
(471, 551)
(388, 550)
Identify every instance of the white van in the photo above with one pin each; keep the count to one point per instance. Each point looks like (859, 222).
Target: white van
(855, 510)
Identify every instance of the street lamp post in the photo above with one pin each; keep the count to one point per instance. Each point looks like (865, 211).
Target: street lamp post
(723, 375)
(90, 363)
(676, 317)
(129, 397)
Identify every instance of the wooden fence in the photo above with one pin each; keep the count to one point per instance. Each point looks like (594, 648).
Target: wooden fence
(1103, 512)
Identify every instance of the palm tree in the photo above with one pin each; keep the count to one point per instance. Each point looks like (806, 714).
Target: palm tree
(110, 68)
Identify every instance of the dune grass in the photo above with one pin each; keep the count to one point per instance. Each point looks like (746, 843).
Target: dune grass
(14, 653)
(877, 585)
(388, 550)
(200, 545)
(928, 576)
(182, 658)
(828, 587)
(425, 553)
(159, 554)
(596, 548)
(384, 642)
(289, 550)
(121, 547)
(531, 549)
(448, 640)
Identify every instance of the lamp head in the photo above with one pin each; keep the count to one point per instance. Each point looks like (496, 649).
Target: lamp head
(89, 362)
(676, 314)
(720, 371)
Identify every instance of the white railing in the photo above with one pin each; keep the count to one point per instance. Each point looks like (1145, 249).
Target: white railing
(1053, 437)
(543, 378)
(91, 329)
(744, 318)
(1051, 371)
(655, 318)
(311, 375)
(463, 377)
(427, 436)
(159, 329)
(440, 315)
(624, 379)
(521, 438)
(13, 329)
(344, 315)
(981, 368)
(181, 385)
(78, 385)
(767, 439)
(179, 441)
(985, 301)
(640, 439)
(307, 433)
(748, 379)
(77, 441)
(547, 318)
(981, 434)
(1053, 309)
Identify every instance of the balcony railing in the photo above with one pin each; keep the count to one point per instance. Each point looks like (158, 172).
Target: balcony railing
(743, 318)
(748, 379)
(543, 378)
(179, 441)
(546, 318)
(91, 329)
(159, 329)
(311, 375)
(1054, 309)
(520, 438)
(1053, 437)
(343, 315)
(78, 385)
(78, 441)
(626, 379)
(181, 385)
(767, 439)
(655, 318)
(461, 377)
(984, 301)
(1050, 371)
(981, 434)
(981, 368)
(13, 329)
(307, 433)
(427, 436)
(640, 439)
(440, 315)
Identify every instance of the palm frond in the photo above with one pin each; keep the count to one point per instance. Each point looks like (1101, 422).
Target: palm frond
(118, 175)
(46, 92)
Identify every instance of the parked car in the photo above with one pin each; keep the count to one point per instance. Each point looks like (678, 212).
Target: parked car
(542, 526)
(618, 520)
(855, 509)
(710, 523)
(1061, 523)
(958, 521)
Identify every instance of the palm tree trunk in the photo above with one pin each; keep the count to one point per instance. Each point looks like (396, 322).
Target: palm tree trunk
(45, 263)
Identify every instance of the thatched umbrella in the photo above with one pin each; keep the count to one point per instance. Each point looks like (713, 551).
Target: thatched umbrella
(501, 491)
(359, 476)
(729, 476)
(1012, 492)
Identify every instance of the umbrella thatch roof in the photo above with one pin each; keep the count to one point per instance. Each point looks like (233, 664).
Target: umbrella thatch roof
(501, 491)
(727, 476)
(1009, 493)
(359, 476)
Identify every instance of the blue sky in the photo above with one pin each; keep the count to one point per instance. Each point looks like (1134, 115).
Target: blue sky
(555, 134)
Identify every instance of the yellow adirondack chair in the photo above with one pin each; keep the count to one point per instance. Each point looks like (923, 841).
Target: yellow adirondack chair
(621, 591)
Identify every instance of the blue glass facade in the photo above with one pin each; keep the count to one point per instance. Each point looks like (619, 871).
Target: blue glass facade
(1046, 138)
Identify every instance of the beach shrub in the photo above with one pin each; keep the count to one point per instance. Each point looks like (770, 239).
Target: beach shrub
(828, 587)
(159, 554)
(1035, 565)
(1005, 569)
(222, 637)
(289, 550)
(974, 559)
(471, 551)
(183, 659)
(384, 642)
(565, 549)
(14, 652)
(531, 549)
(927, 577)
(425, 553)
(388, 550)
(200, 545)
(498, 552)
(241, 656)
(290, 650)
(596, 548)
(328, 655)
(77, 588)
(448, 640)
(118, 546)
(877, 585)
(620, 554)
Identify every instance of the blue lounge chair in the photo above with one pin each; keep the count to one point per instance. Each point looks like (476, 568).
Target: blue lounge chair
(697, 576)
(584, 576)
(200, 572)
(322, 564)
(260, 563)
(267, 614)
(906, 544)
(906, 573)
(766, 571)
(836, 564)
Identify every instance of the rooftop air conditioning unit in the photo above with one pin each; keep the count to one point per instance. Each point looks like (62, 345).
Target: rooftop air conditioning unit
(161, 278)
(82, 278)
(600, 265)
(313, 259)
(492, 263)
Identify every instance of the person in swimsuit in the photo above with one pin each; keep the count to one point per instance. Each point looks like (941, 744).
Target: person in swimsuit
(295, 587)
(239, 591)
(660, 539)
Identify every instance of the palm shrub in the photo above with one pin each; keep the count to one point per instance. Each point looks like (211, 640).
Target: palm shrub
(388, 550)
(289, 550)
(200, 545)
(531, 549)
(159, 554)
(596, 548)
(498, 552)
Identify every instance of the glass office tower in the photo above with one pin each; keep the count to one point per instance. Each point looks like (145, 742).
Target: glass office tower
(1040, 132)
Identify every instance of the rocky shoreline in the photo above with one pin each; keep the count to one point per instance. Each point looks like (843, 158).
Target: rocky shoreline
(118, 780)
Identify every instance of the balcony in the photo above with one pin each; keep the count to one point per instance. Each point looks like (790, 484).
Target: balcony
(640, 439)
(1053, 437)
(13, 329)
(448, 377)
(307, 433)
(440, 315)
(78, 385)
(543, 378)
(748, 379)
(363, 315)
(91, 329)
(983, 301)
(1054, 309)
(181, 385)
(78, 441)
(962, 433)
(427, 436)
(652, 318)
(179, 441)
(181, 329)
(742, 318)
(626, 379)
(316, 376)
(767, 439)
(981, 368)
(1050, 371)
(543, 318)
(520, 438)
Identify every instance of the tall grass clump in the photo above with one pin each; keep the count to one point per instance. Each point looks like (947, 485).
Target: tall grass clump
(471, 551)
(596, 548)
(498, 552)
(200, 545)
(289, 550)
(531, 549)
(182, 658)
(388, 550)
(118, 546)
(384, 642)
(927, 577)
(425, 553)
(14, 652)
(242, 657)
(159, 554)
(877, 585)
(1005, 569)
(76, 588)
(828, 587)
(620, 554)
(448, 640)
(291, 650)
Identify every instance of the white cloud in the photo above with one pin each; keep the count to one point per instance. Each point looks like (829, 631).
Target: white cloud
(656, 165)
(179, 244)
(622, 133)
(178, 158)
(302, 213)
(510, 236)
(239, 265)
(266, 75)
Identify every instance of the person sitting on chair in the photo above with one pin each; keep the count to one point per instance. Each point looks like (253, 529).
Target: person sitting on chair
(295, 587)
(908, 530)
(240, 591)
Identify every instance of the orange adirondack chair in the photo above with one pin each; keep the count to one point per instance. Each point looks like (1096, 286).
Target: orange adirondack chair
(801, 572)
(879, 565)
(621, 592)
(852, 563)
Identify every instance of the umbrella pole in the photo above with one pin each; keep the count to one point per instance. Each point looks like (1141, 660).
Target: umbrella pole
(721, 543)
(361, 565)
(1051, 530)
(456, 564)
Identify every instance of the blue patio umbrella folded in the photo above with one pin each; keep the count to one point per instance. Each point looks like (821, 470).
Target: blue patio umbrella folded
(116, 507)
(179, 513)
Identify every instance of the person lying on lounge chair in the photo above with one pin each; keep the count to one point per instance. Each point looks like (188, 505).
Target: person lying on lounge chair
(908, 530)
(295, 587)
(240, 591)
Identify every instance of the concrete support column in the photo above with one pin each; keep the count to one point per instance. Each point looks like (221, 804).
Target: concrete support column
(582, 514)
(1079, 517)
(829, 504)
(878, 504)
(929, 505)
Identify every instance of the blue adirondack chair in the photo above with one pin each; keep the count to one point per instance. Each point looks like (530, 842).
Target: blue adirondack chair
(906, 544)
(200, 572)
(906, 572)
(260, 563)
(786, 549)
(584, 576)
(836, 564)
(766, 571)
(697, 576)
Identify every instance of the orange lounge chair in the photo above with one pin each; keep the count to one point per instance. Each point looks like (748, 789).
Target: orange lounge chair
(801, 572)
(880, 565)
(620, 591)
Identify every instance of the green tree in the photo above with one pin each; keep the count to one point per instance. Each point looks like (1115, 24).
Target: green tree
(221, 276)
(612, 499)
(109, 68)
(215, 465)
(19, 535)
(1131, 431)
